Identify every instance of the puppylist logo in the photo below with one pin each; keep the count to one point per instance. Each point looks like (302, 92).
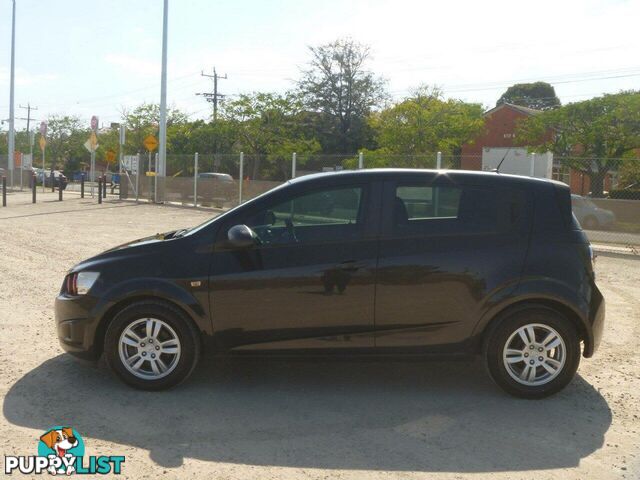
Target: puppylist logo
(61, 452)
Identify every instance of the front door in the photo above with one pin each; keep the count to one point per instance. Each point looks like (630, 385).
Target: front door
(309, 283)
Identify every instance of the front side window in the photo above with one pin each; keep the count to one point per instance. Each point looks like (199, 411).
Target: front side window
(320, 216)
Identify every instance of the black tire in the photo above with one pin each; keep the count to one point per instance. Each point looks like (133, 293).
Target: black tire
(188, 336)
(498, 336)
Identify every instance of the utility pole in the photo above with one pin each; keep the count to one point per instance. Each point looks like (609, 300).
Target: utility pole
(12, 127)
(162, 150)
(28, 108)
(214, 96)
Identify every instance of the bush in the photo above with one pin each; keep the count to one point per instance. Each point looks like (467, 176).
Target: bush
(626, 194)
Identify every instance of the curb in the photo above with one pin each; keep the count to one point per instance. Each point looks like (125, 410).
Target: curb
(619, 251)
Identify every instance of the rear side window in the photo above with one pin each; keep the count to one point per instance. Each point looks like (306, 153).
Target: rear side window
(424, 203)
(466, 209)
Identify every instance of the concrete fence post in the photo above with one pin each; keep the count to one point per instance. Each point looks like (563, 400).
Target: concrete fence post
(293, 164)
(241, 178)
(360, 161)
(195, 180)
(439, 160)
(138, 166)
(533, 164)
(155, 179)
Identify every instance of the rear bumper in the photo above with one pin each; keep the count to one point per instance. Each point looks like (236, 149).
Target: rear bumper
(76, 326)
(596, 321)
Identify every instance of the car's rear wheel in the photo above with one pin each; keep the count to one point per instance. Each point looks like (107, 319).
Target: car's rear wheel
(533, 353)
(152, 345)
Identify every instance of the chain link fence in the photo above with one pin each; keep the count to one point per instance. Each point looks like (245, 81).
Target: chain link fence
(605, 192)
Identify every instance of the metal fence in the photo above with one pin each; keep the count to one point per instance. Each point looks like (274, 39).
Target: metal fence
(605, 192)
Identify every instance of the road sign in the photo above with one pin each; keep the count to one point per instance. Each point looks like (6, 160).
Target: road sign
(94, 123)
(130, 162)
(43, 129)
(150, 143)
(93, 139)
(43, 143)
(110, 156)
(27, 161)
(92, 143)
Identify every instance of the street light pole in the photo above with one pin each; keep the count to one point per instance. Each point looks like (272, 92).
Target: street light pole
(12, 130)
(162, 151)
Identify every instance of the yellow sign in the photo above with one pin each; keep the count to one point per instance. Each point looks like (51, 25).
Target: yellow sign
(150, 143)
(43, 143)
(93, 140)
(110, 156)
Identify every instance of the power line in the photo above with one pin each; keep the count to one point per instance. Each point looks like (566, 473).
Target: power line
(214, 96)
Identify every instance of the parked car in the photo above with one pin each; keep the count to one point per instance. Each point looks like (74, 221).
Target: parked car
(215, 188)
(404, 261)
(221, 177)
(58, 178)
(590, 216)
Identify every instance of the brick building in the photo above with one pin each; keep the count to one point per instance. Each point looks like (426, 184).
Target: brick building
(500, 127)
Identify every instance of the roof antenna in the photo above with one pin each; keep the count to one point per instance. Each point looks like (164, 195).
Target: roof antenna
(497, 169)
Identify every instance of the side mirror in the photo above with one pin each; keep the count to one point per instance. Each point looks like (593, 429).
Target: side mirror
(241, 236)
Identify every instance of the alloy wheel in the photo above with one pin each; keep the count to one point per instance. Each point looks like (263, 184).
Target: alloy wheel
(149, 348)
(534, 354)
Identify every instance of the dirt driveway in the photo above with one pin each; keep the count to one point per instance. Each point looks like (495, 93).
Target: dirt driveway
(291, 418)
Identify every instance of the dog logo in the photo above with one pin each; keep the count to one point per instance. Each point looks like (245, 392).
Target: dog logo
(61, 452)
(64, 443)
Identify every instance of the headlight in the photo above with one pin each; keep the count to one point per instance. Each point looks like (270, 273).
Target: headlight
(79, 283)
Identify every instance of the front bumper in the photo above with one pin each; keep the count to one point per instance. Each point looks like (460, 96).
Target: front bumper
(77, 326)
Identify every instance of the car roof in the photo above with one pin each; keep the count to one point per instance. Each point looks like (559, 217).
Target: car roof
(467, 176)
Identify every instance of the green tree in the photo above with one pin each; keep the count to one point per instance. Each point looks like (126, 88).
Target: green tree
(339, 87)
(143, 120)
(591, 136)
(537, 95)
(269, 126)
(65, 138)
(426, 123)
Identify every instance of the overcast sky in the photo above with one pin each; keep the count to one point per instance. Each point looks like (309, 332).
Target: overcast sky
(96, 57)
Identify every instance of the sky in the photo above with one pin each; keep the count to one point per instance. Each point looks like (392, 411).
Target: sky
(99, 57)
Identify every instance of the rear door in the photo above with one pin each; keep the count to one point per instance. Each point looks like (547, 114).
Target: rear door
(446, 248)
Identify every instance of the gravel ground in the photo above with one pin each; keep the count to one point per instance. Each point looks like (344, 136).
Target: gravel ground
(297, 419)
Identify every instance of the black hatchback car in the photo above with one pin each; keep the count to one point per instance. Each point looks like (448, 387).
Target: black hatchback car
(375, 261)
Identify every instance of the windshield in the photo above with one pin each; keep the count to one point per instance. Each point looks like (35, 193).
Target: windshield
(205, 224)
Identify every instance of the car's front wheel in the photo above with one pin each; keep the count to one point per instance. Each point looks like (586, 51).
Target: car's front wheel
(533, 353)
(152, 345)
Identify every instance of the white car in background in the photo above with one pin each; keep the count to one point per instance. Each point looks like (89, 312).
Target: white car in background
(590, 216)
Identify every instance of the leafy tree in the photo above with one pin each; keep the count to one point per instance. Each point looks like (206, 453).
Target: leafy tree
(537, 95)
(65, 138)
(426, 123)
(591, 136)
(144, 120)
(338, 86)
(268, 125)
